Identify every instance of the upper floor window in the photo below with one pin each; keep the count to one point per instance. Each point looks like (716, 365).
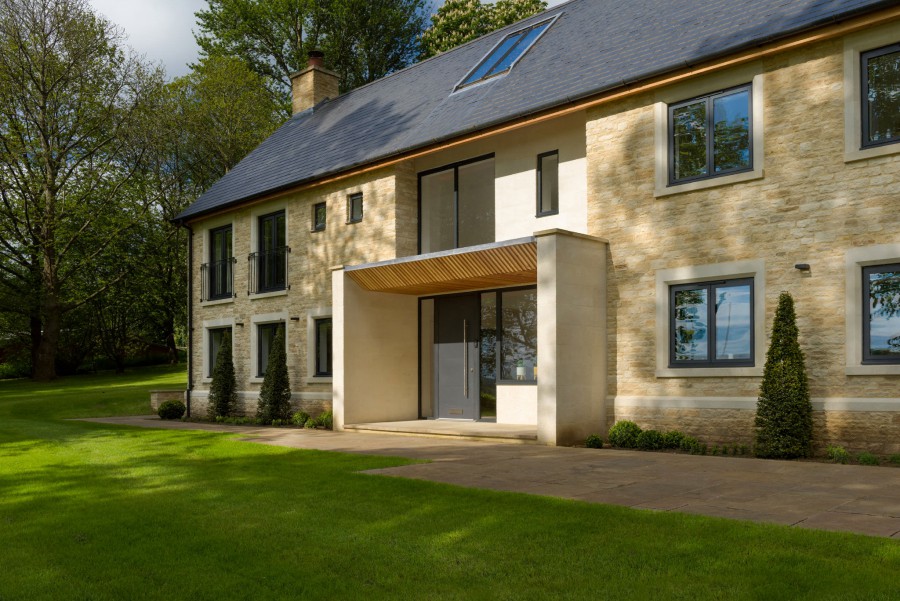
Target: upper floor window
(456, 205)
(881, 314)
(269, 264)
(711, 324)
(355, 208)
(881, 96)
(318, 215)
(710, 136)
(219, 280)
(505, 54)
(548, 183)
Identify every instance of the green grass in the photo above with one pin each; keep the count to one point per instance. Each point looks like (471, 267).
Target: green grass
(89, 511)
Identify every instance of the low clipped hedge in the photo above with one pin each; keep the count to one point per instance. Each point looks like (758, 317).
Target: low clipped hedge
(650, 440)
(171, 410)
(624, 434)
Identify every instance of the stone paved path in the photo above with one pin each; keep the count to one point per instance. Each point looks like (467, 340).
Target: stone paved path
(807, 495)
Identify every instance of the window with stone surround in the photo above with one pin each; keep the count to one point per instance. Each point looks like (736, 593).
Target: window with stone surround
(881, 314)
(216, 337)
(265, 338)
(355, 208)
(710, 136)
(319, 214)
(880, 100)
(323, 348)
(712, 324)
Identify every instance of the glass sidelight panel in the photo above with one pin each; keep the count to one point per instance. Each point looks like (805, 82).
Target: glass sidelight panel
(488, 352)
(438, 227)
(476, 203)
(518, 322)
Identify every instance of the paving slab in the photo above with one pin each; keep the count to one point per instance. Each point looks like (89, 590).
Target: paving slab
(846, 498)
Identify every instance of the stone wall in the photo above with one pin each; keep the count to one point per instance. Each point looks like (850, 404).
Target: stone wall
(389, 207)
(810, 206)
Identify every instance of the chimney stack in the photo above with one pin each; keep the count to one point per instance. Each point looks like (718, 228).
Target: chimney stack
(313, 84)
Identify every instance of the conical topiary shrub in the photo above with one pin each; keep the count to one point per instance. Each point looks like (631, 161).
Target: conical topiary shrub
(223, 389)
(275, 396)
(783, 411)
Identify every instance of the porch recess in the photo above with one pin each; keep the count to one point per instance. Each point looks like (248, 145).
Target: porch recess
(376, 328)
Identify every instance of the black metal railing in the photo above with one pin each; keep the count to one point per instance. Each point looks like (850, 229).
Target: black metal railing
(268, 270)
(217, 280)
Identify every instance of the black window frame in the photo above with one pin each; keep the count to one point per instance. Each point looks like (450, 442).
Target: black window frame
(279, 282)
(455, 168)
(212, 357)
(867, 357)
(319, 226)
(540, 184)
(351, 218)
(711, 361)
(272, 325)
(710, 138)
(220, 266)
(329, 349)
(864, 58)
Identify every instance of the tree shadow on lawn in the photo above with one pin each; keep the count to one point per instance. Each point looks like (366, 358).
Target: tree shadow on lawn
(132, 513)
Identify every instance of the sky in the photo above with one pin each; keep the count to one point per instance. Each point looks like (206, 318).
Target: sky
(161, 30)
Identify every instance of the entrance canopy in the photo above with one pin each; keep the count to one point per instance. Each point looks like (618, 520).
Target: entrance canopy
(495, 265)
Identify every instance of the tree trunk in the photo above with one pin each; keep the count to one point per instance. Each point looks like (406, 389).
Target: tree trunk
(170, 345)
(45, 366)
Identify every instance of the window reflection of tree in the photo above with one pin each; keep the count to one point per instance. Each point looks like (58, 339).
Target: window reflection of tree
(884, 298)
(519, 320)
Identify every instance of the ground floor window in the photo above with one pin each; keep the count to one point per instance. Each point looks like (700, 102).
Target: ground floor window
(881, 314)
(711, 324)
(265, 340)
(216, 339)
(323, 347)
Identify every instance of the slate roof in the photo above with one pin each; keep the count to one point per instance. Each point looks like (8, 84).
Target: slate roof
(594, 46)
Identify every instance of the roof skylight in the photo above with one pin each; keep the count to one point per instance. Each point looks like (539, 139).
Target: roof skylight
(505, 54)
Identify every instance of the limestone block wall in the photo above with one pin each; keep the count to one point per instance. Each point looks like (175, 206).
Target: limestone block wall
(809, 206)
(388, 230)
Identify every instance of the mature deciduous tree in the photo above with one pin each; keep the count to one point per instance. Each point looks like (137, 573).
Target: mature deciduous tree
(363, 40)
(458, 21)
(70, 103)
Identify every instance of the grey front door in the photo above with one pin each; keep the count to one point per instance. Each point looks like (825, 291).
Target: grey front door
(456, 330)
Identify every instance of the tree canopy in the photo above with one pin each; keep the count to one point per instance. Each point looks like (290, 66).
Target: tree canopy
(459, 21)
(363, 40)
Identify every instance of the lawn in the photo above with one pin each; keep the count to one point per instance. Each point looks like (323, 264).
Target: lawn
(101, 512)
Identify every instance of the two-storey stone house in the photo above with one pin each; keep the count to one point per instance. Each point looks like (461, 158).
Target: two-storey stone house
(584, 217)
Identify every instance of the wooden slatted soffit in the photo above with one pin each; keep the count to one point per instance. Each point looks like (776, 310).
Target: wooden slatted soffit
(456, 271)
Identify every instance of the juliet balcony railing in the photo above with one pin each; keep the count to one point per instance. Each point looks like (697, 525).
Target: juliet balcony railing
(268, 270)
(217, 280)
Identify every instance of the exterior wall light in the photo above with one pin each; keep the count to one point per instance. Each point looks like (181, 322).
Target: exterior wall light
(802, 266)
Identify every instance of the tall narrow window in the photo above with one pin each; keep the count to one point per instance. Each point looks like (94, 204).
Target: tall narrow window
(711, 324)
(323, 347)
(456, 206)
(319, 215)
(881, 96)
(265, 339)
(216, 339)
(221, 262)
(548, 184)
(710, 136)
(355, 208)
(881, 314)
(271, 259)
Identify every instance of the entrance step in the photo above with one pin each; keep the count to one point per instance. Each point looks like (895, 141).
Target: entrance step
(465, 430)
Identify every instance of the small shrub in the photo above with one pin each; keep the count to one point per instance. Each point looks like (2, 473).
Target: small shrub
(689, 444)
(624, 434)
(895, 459)
(837, 454)
(223, 401)
(171, 410)
(703, 448)
(593, 442)
(326, 420)
(650, 440)
(311, 423)
(866, 458)
(724, 450)
(279, 422)
(300, 418)
(744, 449)
(672, 439)
(715, 449)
